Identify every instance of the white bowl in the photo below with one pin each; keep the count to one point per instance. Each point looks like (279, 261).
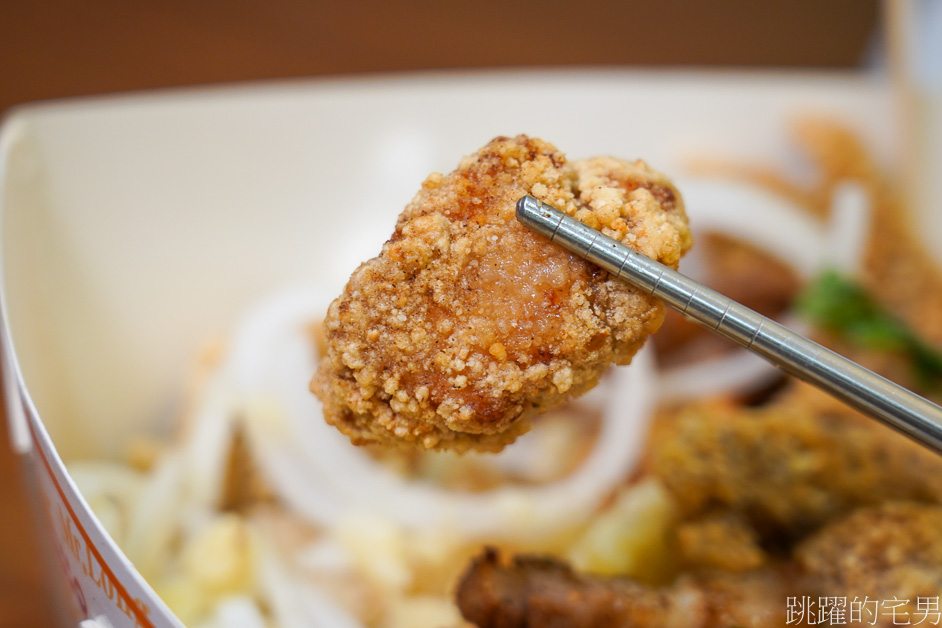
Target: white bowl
(135, 227)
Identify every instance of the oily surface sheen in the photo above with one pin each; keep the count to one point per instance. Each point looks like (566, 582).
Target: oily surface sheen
(467, 322)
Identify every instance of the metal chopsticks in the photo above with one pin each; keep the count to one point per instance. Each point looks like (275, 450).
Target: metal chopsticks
(870, 393)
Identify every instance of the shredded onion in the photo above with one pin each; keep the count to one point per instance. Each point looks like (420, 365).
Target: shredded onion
(205, 450)
(111, 490)
(236, 612)
(295, 604)
(849, 227)
(153, 518)
(758, 216)
(740, 371)
(315, 470)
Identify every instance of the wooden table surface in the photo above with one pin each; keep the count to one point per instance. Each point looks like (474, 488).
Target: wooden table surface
(52, 49)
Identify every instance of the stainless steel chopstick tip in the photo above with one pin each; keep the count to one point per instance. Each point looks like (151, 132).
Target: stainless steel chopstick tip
(537, 216)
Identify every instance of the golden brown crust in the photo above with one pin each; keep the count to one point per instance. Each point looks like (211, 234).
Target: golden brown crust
(467, 322)
(788, 467)
(891, 551)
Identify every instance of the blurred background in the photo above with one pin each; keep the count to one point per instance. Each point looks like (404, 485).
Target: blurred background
(53, 49)
(58, 49)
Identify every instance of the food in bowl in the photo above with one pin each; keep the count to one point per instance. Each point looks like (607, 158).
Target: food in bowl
(693, 487)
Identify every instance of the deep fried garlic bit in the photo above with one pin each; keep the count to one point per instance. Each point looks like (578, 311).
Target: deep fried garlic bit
(467, 323)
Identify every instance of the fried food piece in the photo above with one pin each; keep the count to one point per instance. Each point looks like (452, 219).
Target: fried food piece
(467, 323)
(889, 552)
(537, 591)
(790, 466)
(892, 551)
(721, 541)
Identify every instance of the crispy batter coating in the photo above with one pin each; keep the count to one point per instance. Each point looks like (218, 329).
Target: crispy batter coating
(889, 552)
(467, 323)
(539, 591)
(790, 466)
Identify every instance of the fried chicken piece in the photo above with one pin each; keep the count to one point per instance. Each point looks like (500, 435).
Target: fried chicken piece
(534, 591)
(467, 323)
(788, 467)
(871, 550)
(889, 552)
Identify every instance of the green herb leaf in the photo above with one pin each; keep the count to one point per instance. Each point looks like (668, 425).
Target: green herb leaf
(844, 308)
